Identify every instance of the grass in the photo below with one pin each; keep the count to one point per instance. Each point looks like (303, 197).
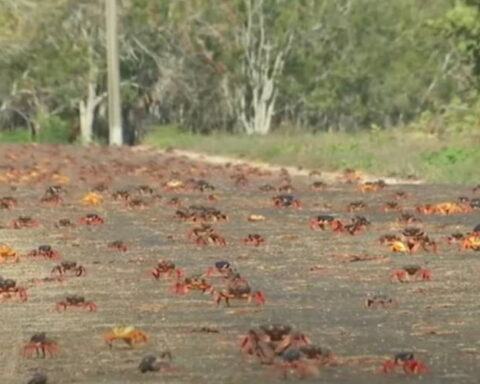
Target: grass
(399, 153)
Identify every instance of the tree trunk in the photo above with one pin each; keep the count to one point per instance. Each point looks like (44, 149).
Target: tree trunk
(87, 109)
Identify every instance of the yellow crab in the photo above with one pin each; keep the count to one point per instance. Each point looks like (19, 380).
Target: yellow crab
(128, 334)
(397, 246)
(92, 198)
(7, 253)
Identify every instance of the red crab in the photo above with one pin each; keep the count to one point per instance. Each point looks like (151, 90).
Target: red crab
(304, 361)
(69, 266)
(91, 219)
(405, 361)
(372, 186)
(455, 237)
(205, 234)
(285, 201)
(75, 301)
(389, 239)
(166, 268)
(44, 251)
(254, 239)
(222, 268)
(23, 222)
(39, 343)
(415, 272)
(238, 288)
(322, 221)
(192, 283)
(272, 340)
(9, 288)
(118, 245)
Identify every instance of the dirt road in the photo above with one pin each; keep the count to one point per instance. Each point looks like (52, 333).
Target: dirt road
(316, 281)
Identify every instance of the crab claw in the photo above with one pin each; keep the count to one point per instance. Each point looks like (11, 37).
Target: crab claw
(179, 288)
(180, 272)
(414, 366)
(399, 275)
(91, 306)
(258, 297)
(22, 294)
(388, 366)
(209, 271)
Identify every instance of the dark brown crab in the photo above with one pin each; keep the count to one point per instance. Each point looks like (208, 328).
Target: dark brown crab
(407, 218)
(383, 301)
(136, 204)
(66, 267)
(121, 195)
(200, 213)
(286, 201)
(41, 345)
(23, 222)
(206, 234)
(390, 206)
(118, 245)
(271, 340)
(238, 288)
(64, 223)
(356, 206)
(199, 185)
(9, 289)
(52, 195)
(8, 202)
(357, 225)
(75, 301)
(45, 251)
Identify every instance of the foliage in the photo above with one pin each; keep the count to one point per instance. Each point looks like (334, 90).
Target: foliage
(350, 64)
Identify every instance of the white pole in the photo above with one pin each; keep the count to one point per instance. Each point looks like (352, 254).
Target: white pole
(114, 111)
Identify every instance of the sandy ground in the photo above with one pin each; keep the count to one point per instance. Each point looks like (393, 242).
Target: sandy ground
(437, 320)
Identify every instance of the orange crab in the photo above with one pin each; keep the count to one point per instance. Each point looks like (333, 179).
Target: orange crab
(129, 335)
(410, 271)
(446, 208)
(470, 241)
(7, 253)
(92, 198)
(372, 186)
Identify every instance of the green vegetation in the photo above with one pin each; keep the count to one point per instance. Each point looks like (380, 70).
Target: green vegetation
(395, 152)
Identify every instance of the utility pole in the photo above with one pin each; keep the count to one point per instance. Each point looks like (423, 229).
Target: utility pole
(113, 69)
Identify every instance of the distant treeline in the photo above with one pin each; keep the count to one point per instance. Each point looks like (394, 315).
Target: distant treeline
(238, 65)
